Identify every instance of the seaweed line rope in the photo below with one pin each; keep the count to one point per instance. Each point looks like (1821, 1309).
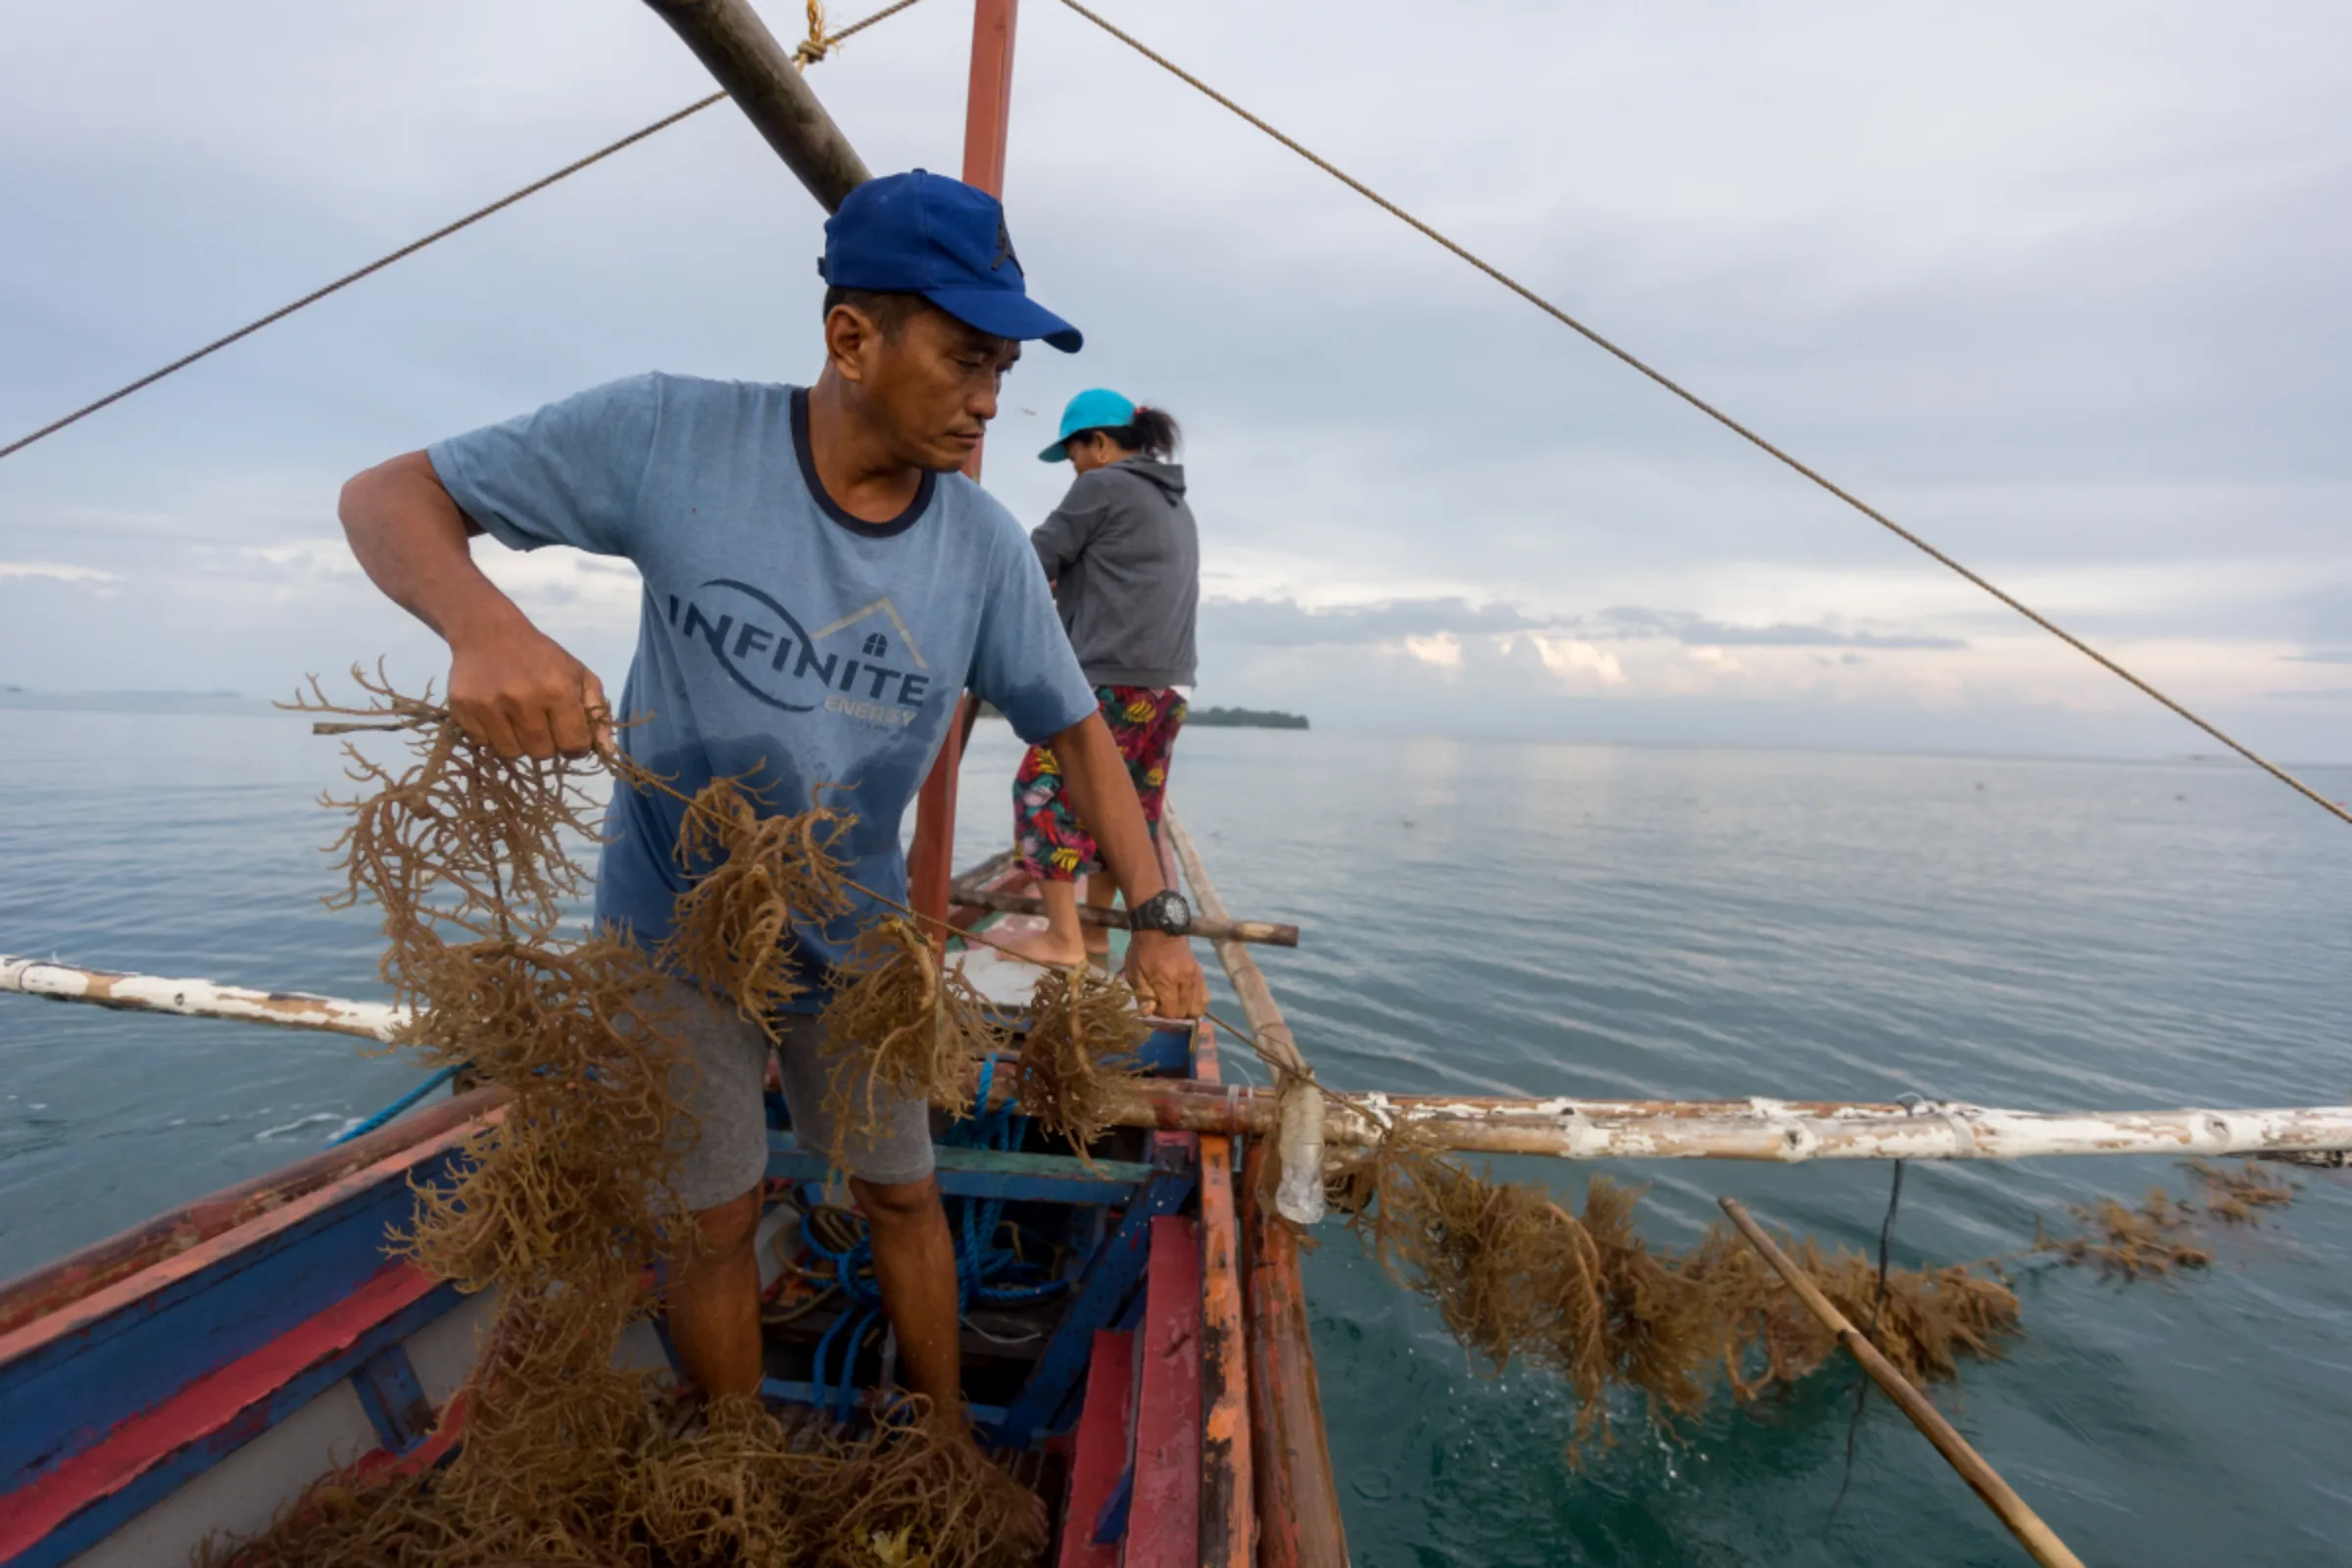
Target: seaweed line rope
(816, 47)
(1711, 412)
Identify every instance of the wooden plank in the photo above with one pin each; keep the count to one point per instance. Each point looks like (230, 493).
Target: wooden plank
(1166, 1052)
(78, 1373)
(1163, 1522)
(1102, 1293)
(1298, 1523)
(1227, 1503)
(1011, 1174)
(100, 1264)
(1101, 1457)
(395, 1402)
(143, 1458)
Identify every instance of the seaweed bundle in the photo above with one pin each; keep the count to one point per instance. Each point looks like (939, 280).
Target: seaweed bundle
(467, 855)
(564, 1204)
(906, 1022)
(754, 878)
(1514, 1276)
(2164, 1234)
(664, 1485)
(1083, 1028)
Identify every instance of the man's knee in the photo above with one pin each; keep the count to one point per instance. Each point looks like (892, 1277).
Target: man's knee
(896, 1205)
(727, 1229)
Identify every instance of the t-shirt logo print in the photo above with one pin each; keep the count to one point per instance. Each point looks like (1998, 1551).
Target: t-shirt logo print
(845, 667)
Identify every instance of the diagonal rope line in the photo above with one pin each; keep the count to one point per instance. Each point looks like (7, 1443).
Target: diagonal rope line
(1713, 413)
(815, 49)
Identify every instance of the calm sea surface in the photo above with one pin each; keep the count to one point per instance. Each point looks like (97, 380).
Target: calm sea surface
(1496, 918)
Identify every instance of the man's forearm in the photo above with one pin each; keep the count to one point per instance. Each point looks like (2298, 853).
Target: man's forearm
(1096, 778)
(509, 685)
(413, 542)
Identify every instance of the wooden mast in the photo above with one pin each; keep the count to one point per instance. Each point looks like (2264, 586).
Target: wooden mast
(987, 113)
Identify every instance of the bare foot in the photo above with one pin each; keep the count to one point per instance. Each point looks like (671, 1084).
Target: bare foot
(1041, 942)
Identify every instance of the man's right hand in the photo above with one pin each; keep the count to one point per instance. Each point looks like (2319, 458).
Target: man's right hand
(515, 690)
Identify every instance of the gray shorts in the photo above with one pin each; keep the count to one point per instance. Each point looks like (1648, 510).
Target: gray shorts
(728, 1066)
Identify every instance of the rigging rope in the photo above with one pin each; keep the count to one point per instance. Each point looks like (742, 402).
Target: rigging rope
(1710, 411)
(818, 46)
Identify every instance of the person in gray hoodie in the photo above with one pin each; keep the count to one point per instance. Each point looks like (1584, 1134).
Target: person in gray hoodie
(1124, 557)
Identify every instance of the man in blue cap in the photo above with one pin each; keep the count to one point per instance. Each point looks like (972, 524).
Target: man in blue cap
(821, 587)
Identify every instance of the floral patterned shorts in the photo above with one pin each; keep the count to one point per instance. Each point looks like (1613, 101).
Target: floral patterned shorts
(1143, 720)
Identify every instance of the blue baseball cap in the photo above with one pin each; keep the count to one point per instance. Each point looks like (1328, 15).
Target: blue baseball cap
(1096, 408)
(925, 233)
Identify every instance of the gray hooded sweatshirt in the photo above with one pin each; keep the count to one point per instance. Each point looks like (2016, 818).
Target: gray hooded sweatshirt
(1125, 561)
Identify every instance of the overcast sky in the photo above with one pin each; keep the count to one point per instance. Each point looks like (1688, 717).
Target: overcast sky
(2069, 289)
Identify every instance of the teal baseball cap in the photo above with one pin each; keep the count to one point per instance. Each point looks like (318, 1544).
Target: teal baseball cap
(1098, 408)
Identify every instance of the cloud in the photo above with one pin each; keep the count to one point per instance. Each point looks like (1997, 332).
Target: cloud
(1286, 623)
(2328, 655)
(1442, 649)
(1571, 659)
(58, 570)
(1696, 631)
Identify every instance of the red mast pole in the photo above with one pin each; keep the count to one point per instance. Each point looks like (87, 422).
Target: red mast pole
(988, 109)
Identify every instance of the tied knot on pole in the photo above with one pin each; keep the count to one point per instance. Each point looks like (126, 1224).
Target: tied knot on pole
(816, 45)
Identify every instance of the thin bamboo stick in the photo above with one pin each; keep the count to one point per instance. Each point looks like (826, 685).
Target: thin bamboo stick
(1249, 984)
(2024, 1523)
(1781, 1131)
(1215, 928)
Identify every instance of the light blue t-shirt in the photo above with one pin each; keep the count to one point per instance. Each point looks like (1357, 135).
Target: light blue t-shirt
(780, 635)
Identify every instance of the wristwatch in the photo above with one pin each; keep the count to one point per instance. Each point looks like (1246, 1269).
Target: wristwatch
(1164, 911)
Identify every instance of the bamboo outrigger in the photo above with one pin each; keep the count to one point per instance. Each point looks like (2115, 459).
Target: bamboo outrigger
(1786, 1132)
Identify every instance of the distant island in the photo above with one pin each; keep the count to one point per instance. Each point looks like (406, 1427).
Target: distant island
(1218, 718)
(1245, 718)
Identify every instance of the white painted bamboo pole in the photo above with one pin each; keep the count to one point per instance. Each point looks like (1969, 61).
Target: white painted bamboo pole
(1783, 1131)
(199, 999)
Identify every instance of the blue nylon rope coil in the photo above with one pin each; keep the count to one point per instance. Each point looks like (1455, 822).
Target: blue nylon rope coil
(986, 1274)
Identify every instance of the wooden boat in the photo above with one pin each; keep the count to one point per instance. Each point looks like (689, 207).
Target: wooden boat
(1150, 1373)
(1152, 1376)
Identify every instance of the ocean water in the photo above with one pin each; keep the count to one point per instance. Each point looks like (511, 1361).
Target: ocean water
(1496, 918)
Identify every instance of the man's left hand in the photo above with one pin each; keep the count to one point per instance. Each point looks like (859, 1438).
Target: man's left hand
(1165, 976)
